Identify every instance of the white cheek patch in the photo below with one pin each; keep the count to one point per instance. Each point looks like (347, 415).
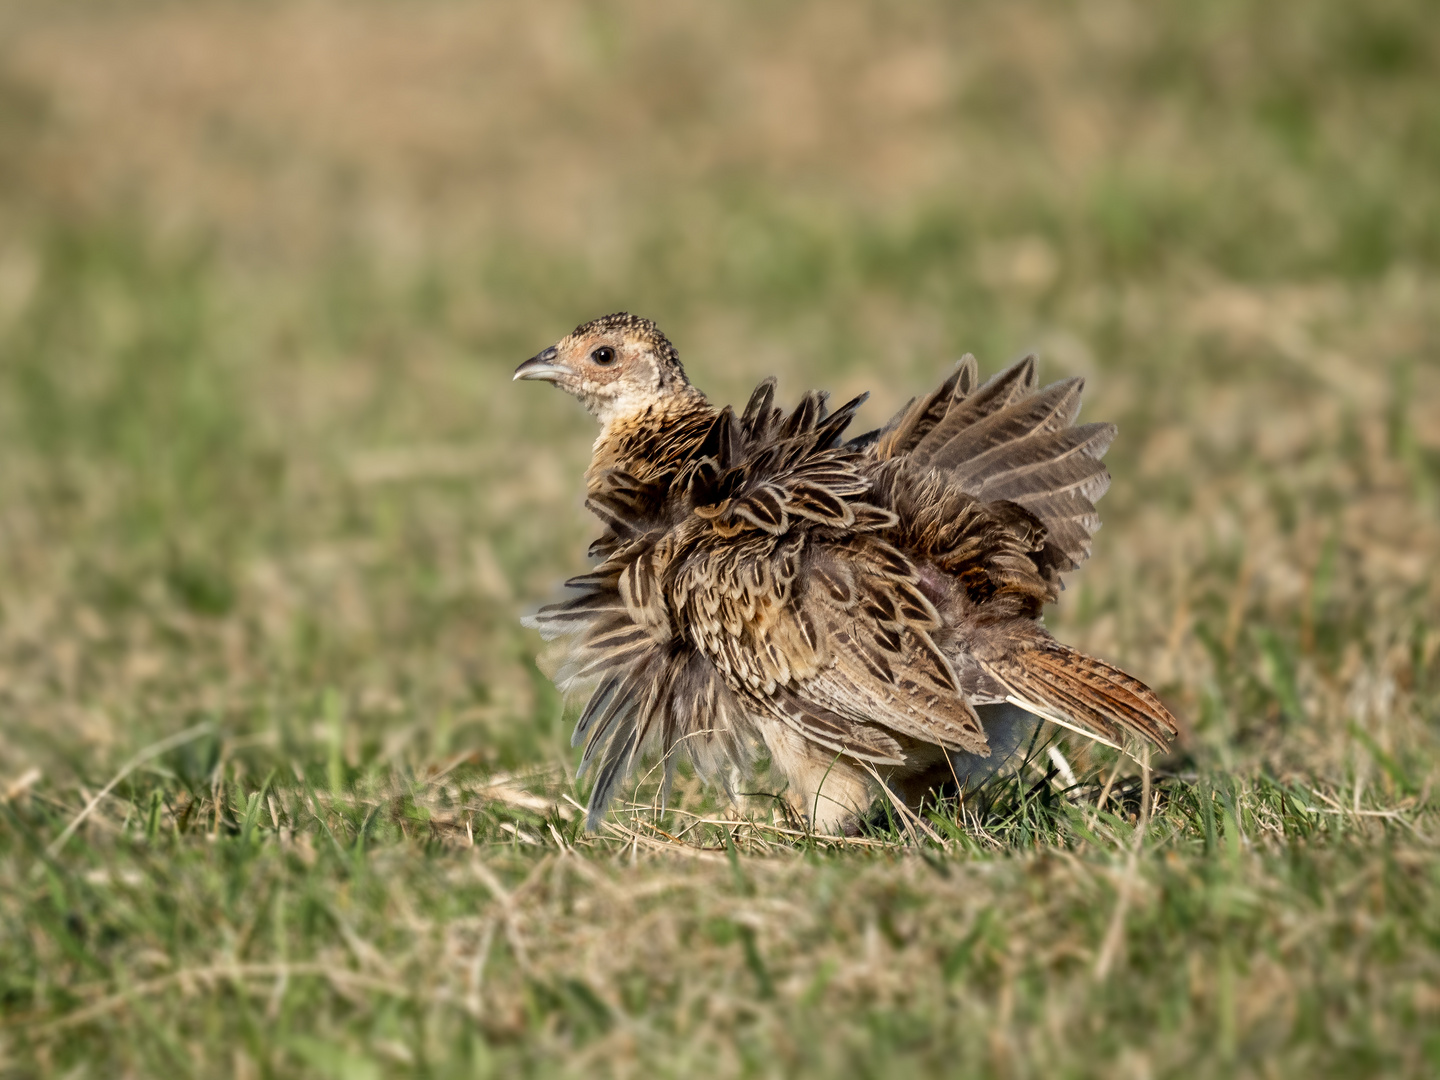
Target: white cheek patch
(628, 396)
(626, 400)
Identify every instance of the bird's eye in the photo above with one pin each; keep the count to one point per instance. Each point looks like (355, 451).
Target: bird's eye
(604, 356)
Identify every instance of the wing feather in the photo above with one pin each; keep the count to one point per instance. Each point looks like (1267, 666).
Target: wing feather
(1009, 443)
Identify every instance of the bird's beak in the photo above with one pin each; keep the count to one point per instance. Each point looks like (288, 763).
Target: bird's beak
(542, 366)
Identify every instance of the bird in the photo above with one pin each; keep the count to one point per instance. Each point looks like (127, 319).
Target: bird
(863, 612)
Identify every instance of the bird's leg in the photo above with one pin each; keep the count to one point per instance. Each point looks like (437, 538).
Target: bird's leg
(825, 789)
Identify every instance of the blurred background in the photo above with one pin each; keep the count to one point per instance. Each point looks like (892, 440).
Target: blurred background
(265, 270)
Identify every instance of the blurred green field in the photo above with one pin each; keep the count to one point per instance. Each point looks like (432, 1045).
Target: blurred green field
(282, 792)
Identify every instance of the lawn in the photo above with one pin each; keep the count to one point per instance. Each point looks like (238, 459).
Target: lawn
(282, 789)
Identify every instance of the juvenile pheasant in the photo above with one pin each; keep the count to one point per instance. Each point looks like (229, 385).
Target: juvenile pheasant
(868, 610)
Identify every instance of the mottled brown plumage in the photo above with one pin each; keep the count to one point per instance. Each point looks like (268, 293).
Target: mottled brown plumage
(867, 610)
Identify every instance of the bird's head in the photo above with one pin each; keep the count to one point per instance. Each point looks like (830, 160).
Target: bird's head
(617, 366)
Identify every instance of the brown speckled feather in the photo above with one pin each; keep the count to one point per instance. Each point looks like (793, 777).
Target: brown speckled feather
(758, 576)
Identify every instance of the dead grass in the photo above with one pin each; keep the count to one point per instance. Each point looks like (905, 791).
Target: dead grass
(263, 274)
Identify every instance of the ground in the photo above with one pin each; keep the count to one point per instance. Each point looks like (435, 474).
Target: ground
(282, 790)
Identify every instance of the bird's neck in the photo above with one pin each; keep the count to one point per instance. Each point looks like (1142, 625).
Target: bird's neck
(647, 442)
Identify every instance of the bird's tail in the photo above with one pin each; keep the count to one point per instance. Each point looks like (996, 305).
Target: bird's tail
(1084, 694)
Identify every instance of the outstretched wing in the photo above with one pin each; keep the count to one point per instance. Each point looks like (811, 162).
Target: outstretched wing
(1007, 441)
(995, 488)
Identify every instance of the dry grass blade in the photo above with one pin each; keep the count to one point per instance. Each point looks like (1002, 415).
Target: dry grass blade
(1115, 932)
(154, 750)
(213, 974)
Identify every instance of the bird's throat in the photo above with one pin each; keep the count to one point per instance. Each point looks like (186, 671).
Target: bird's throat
(647, 443)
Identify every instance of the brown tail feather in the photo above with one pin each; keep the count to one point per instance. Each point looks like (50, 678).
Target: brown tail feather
(1084, 693)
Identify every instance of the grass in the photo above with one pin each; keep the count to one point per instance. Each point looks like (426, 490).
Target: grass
(282, 791)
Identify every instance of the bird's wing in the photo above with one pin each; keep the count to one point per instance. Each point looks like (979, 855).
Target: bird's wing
(865, 600)
(1008, 441)
(790, 592)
